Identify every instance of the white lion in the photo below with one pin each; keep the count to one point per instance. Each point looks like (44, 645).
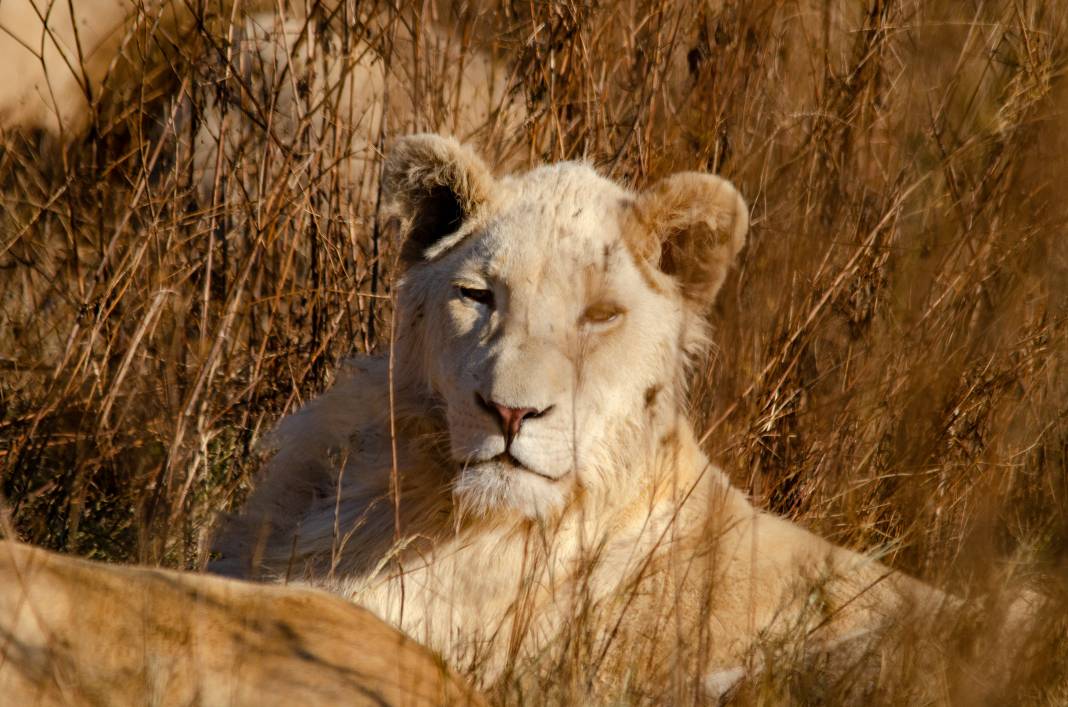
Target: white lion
(65, 59)
(531, 414)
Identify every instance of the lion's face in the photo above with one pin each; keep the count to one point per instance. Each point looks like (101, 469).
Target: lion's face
(545, 340)
(535, 309)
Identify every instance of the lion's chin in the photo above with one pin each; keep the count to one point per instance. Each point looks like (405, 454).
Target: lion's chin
(503, 485)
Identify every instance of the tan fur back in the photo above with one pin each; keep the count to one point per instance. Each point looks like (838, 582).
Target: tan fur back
(76, 633)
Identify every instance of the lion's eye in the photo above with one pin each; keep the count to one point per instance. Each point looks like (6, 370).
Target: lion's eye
(475, 294)
(602, 314)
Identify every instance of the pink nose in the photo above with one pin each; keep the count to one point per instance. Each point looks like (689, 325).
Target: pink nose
(509, 418)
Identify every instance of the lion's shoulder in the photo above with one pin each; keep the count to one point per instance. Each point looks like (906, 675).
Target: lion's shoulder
(350, 410)
(338, 435)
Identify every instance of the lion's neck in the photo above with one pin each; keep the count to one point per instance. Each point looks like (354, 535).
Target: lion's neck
(464, 578)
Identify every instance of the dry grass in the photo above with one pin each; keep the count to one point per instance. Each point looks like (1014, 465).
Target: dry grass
(892, 353)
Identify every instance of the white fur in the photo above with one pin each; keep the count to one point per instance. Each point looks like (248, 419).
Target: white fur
(615, 515)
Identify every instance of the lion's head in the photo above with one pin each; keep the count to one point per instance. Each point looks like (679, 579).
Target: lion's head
(550, 315)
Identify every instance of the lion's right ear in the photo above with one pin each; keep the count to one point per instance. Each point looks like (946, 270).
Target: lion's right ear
(434, 184)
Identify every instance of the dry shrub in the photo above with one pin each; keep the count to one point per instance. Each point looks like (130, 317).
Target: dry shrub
(890, 366)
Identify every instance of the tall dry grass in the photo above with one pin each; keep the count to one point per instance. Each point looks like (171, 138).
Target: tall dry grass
(891, 360)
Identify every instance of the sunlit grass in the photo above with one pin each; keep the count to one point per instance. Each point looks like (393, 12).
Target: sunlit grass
(890, 355)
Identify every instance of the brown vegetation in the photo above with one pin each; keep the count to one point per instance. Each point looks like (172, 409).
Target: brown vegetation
(891, 353)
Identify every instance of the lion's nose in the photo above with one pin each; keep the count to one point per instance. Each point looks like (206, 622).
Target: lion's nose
(509, 418)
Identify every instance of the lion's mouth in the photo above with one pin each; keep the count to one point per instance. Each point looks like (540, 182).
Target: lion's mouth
(506, 459)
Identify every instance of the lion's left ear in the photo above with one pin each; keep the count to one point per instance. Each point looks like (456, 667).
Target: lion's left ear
(693, 227)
